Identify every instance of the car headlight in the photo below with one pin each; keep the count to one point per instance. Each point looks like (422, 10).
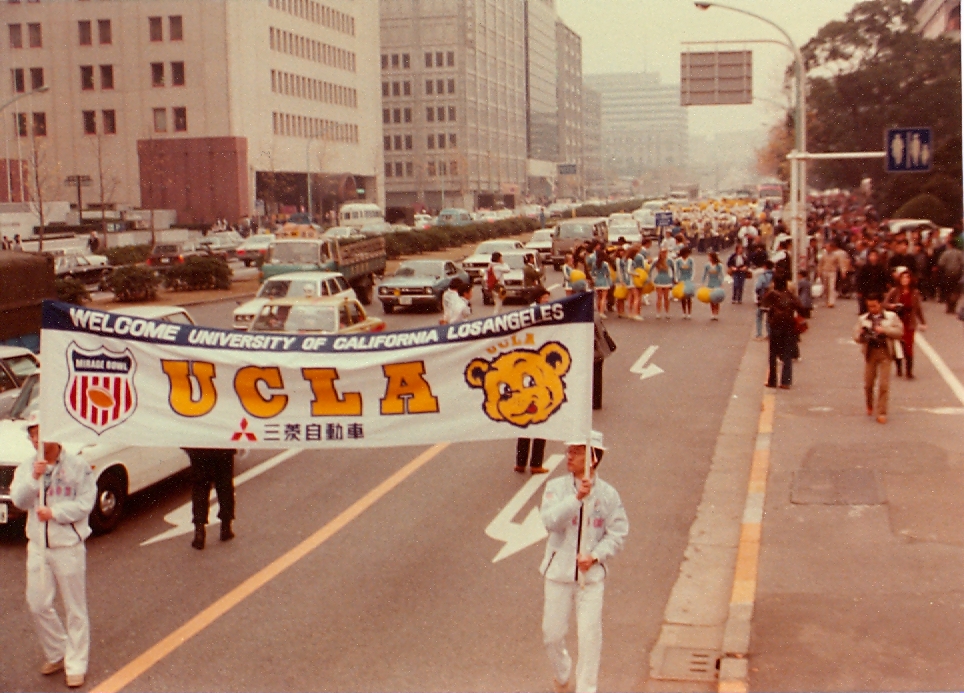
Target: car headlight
(427, 290)
(243, 318)
(383, 290)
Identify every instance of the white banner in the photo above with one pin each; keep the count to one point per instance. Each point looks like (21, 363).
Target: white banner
(114, 378)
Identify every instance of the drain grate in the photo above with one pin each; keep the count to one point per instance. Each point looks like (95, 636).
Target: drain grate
(689, 664)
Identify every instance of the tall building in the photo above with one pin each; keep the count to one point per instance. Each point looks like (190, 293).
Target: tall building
(938, 17)
(202, 107)
(570, 105)
(592, 153)
(453, 102)
(644, 127)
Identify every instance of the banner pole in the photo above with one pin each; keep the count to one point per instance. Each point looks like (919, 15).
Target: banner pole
(583, 515)
(40, 503)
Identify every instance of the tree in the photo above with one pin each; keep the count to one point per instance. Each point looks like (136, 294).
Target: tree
(873, 71)
(107, 185)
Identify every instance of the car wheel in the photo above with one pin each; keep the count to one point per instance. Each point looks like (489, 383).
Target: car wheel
(388, 308)
(437, 306)
(109, 504)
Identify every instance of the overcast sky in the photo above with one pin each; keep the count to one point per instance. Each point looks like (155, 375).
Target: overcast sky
(647, 35)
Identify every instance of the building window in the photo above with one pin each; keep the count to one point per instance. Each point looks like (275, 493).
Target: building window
(40, 124)
(160, 120)
(155, 28)
(398, 142)
(429, 86)
(177, 74)
(430, 142)
(384, 61)
(35, 36)
(430, 168)
(388, 169)
(110, 122)
(16, 35)
(408, 115)
(90, 122)
(439, 59)
(386, 116)
(20, 124)
(406, 61)
(408, 141)
(175, 28)
(451, 86)
(454, 168)
(407, 88)
(441, 141)
(398, 169)
(440, 114)
(450, 58)
(387, 141)
(452, 114)
(106, 76)
(180, 119)
(428, 60)
(84, 33)
(396, 91)
(395, 62)
(452, 140)
(104, 35)
(157, 74)
(36, 77)
(17, 80)
(440, 86)
(430, 114)
(409, 169)
(385, 88)
(86, 77)
(397, 115)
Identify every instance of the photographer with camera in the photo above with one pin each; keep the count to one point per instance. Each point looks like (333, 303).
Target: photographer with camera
(878, 331)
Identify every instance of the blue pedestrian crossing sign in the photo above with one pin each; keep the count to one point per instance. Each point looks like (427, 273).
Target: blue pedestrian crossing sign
(664, 219)
(909, 150)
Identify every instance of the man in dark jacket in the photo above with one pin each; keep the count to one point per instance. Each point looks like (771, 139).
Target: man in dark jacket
(783, 308)
(900, 258)
(211, 465)
(872, 278)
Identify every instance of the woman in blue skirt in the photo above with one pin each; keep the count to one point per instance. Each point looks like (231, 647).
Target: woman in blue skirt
(713, 275)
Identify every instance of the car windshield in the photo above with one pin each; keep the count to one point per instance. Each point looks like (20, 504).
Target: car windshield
(514, 261)
(541, 236)
(165, 249)
(575, 231)
(27, 399)
(297, 318)
(420, 268)
(282, 288)
(295, 252)
(494, 246)
(21, 367)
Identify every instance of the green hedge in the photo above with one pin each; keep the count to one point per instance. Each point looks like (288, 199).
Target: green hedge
(127, 255)
(442, 237)
(605, 210)
(926, 206)
(199, 272)
(71, 290)
(133, 283)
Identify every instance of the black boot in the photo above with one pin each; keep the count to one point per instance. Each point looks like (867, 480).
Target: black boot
(900, 367)
(226, 533)
(199, 535)
(910, 367)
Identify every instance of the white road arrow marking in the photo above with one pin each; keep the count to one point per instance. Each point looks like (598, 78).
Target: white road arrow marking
(531, 531)
(642, 370)
(182, 518)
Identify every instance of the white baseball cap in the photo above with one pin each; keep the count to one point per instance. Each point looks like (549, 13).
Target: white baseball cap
(595, 440)
(33, 419)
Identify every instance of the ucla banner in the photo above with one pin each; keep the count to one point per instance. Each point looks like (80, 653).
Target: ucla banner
(120, 379)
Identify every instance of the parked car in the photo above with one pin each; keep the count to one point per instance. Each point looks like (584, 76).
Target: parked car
(292, 285)
(454, 217)
(166, 255)
(342, 232)
(541, 243)
(572, 231)
(488, 215)
(424, 221)
(324, 315)
(16, 365)
(476, 263)
(419, 283)
(376, 228)
(255, 248)
(87, 269)
(219, 246)
(514, 281)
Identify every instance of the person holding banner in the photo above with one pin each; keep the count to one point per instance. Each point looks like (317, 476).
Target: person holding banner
(587, 526)
(211, 466)
(456, 302)
(58, 492)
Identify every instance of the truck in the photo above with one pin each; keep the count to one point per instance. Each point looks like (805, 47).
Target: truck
(359, 261)
(26, 279)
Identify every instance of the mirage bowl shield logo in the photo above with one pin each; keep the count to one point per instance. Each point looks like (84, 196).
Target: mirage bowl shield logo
(100, 390)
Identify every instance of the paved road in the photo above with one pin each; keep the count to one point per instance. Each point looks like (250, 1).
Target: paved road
(406, 596)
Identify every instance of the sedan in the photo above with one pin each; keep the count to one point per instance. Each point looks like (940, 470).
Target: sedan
(478, 262)
(326, 315)
(419, 283)
(87, 269)
(541, 243)
(292, 285)
(16, 364)
(255, 249)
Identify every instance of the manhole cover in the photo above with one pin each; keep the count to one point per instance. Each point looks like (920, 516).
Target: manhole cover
(836, 487)
(688, 664)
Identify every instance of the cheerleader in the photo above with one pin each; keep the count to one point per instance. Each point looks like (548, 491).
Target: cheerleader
(624, 276)
(567, 269)
(684, 273)
(713, 275)
(602, 278)
(635, 293)
(661, 275)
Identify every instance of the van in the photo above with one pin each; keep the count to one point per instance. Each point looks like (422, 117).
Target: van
(357, 214)
(570, 232)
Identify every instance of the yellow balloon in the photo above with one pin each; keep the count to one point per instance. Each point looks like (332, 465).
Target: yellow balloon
(620, 291)
(703, 294)
(577, 276)
(678, 291)
(648, 288)
(639, 277)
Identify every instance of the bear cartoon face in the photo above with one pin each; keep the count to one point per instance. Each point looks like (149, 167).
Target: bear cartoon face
(523, 386)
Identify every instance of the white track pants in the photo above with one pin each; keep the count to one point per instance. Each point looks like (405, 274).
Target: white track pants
(588, 601)
(830, 287)
(66, 569)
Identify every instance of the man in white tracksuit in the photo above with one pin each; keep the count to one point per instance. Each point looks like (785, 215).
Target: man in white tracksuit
(587, 525)
(56, 555)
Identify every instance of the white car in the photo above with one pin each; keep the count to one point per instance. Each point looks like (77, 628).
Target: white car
(645, 217)
(255, 248)
(342, 232)
(424, 221)
(476, 263)
(541, 243)
(514, 279)
(620, 218)
(488, 215)
(292, 285)
(16, 364)
(628, 231)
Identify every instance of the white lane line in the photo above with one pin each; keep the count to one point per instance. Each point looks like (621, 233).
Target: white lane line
(553, 287)
(946, 373)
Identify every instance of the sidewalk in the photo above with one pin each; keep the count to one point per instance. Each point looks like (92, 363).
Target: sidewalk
(861, 568)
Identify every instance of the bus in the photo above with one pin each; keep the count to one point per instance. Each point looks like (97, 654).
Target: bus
(357, 214)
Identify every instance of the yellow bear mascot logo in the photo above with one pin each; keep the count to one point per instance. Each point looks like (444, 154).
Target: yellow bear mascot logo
(523, 386)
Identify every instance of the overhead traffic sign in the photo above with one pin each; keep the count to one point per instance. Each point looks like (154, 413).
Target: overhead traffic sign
(909, 150)
(716, 78)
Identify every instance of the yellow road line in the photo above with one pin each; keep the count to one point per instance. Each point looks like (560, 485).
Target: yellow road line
(127, 674)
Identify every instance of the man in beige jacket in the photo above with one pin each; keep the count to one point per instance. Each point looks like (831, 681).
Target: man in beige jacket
(879, 332)
(834, 261)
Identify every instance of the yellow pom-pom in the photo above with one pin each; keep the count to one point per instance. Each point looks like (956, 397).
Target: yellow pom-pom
(678, 291)
(648, 288)
(577, 276)
(620, 291)
(639, 277)
(703, 294)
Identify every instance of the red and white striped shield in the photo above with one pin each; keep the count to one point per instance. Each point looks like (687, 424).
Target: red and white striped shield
(100, 390)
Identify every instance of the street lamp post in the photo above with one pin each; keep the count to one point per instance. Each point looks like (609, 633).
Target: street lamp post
(308, 177)
(39, 90)
(798, 163)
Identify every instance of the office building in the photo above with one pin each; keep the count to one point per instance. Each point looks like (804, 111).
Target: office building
(569, 99)
(592, 155)
(210, 108)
